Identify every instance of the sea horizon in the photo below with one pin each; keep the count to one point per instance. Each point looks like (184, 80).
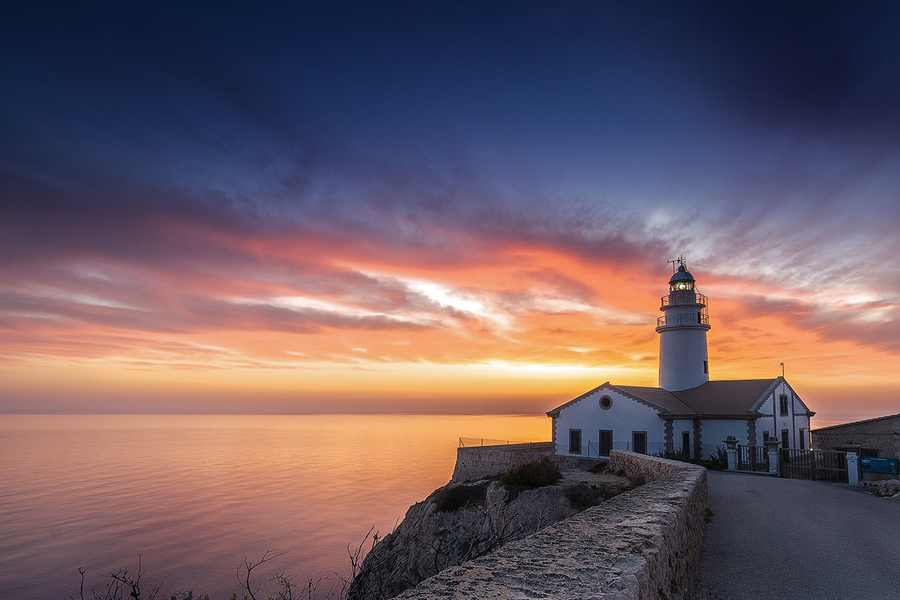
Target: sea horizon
(193, 495)
(817, 420)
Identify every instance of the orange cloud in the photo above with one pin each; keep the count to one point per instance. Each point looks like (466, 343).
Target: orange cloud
(295, 323)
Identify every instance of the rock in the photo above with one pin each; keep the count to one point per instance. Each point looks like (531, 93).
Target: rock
(887, 487)
(459, 522)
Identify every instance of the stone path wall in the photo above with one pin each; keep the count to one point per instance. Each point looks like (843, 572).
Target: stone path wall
(484, 461)
(639, 545)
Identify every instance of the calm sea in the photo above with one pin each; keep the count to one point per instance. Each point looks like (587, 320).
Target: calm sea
(195, 494)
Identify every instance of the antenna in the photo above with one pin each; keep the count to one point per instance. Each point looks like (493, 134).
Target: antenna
(678, 261)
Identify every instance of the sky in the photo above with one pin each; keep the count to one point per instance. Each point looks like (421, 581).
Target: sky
(442, 207)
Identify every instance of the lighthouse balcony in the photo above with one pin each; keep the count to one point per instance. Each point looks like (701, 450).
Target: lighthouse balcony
(683, 319)
(682, 298)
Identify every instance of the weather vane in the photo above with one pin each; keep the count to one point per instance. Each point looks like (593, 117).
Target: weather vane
(677, 261)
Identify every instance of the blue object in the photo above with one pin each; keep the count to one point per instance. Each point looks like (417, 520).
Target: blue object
(888, 466)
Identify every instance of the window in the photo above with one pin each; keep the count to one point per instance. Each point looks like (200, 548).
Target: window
(765, 436)
(686, 442)
(706, 367)
(639, 441)
(606, 441)
(574, 441)
(605, 402)
(784, 405)
(801, 439)
(785, 438)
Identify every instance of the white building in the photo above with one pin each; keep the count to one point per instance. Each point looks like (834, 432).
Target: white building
(687, 413)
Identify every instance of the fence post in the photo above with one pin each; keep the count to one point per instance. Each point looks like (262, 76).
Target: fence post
(731, 450)
(772, 450)
(853, 464)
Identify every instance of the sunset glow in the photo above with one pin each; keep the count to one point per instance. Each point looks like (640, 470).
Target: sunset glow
(408, 229)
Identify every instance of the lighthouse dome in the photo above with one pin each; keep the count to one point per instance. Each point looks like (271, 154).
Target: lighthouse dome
(682, 274)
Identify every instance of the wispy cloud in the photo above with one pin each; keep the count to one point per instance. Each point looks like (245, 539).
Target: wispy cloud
(445, 193)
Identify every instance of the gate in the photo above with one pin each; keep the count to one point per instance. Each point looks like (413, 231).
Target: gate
(822, 465)
(753, 458)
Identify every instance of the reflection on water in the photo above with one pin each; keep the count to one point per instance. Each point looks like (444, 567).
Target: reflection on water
(195, 494)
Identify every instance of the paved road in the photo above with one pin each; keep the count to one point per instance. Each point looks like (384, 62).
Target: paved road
(772, 538)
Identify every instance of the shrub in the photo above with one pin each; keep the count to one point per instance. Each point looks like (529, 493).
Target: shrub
(600, 467)
(583, 495)
(454, 498)
(717, 461)
(534, 474)
(682, 455)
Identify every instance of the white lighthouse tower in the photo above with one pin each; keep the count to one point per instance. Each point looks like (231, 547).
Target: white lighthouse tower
(683, 359)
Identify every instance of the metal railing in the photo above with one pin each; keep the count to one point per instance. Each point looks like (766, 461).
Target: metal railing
(468, 442)
(825, 465)
(752, 458)
(682, 298)
(592, 449)
(684, 319)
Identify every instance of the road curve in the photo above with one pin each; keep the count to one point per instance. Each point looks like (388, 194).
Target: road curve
(772, 538)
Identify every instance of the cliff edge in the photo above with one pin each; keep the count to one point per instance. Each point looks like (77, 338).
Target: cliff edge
(462, 521)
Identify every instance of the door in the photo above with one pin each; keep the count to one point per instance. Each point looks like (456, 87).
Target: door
(574, 441)
(639, 441)
(606, 441)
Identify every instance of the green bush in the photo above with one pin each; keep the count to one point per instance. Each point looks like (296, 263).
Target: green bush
(584, 495)
(682, 455)
(717, 461)
(600, 467)
(454, 498)
(534, 474)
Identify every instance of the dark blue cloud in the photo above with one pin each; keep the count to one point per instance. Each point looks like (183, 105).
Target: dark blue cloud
(563, 125)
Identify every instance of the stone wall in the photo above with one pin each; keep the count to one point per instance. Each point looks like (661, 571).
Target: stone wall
(485, 461)
(639, 545)
(650, 468)
(882, 434)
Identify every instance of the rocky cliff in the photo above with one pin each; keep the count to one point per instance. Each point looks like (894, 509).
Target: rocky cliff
(459, 522)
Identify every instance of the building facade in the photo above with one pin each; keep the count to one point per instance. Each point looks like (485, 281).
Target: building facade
(687, 414)
(880, 436)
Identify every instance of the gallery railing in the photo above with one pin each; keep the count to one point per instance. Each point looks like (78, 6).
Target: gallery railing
(684, 319)
(683, 298)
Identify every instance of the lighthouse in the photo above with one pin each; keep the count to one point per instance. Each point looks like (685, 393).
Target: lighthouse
(688, 414)
(683, 359)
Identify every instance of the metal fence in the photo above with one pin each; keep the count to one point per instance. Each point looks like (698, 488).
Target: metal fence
(753, 458)
(823, 465)
(591, 449)
(469, 442)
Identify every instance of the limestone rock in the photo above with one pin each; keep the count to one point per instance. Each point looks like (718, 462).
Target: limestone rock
(459, 522)
(888, 487)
